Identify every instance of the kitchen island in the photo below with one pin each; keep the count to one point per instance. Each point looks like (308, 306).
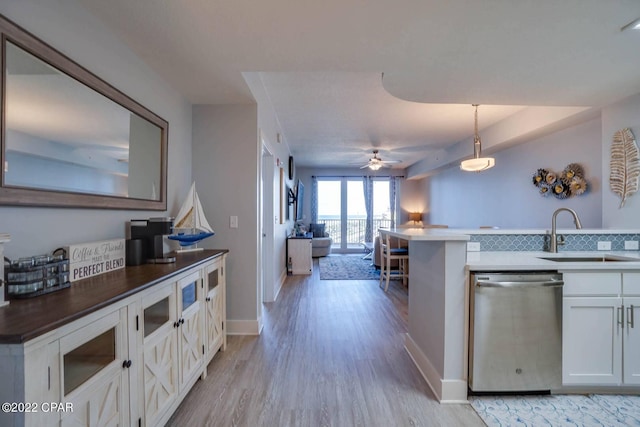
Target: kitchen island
(438, 315)
(439, 266)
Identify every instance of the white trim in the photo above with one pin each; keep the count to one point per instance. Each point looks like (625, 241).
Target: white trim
(454, 391)
(283, 277)
(446, 391)
(243, 327)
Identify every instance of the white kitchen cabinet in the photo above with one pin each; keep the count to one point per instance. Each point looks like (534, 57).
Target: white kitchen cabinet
(591, 341)
(299, 260)
(215, 299)
(601, 341)
(631, 300)
(632, 340)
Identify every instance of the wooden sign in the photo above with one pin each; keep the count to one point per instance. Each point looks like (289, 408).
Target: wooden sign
(92, 259)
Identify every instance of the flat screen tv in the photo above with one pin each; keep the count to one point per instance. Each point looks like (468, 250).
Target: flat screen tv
(299, 200)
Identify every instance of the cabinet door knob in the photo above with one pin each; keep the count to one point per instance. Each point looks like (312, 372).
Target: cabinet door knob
(126, 364)
(176, 323)
(208, 299)
(182, 321)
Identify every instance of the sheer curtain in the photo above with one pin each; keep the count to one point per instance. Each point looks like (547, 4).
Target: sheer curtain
(314, 200)
(367, 186)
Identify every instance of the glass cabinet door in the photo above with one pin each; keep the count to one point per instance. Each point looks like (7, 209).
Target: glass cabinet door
(214, 307)
(156, 315)
(86, 360)
(190, 339)
(93, 375)
(213, 278)
(189, 294)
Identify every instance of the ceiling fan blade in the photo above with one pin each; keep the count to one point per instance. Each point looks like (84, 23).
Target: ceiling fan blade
(364, 167)
(390, 162)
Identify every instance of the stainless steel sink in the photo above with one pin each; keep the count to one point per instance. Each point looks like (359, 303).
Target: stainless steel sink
(601, 258)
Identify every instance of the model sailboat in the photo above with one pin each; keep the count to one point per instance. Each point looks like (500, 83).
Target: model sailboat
(191, 217)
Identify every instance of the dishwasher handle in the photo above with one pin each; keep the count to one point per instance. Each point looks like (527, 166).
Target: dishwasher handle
(519, 284)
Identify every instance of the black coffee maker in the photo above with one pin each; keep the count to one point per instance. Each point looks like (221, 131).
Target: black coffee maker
(151, 233)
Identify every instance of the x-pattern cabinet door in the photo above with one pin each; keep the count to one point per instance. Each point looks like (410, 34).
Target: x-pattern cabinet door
(160, 352)
(190, 330)
(94, 373)
(215, 303)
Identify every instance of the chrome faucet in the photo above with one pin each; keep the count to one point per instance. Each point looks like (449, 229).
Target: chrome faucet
(553, 244)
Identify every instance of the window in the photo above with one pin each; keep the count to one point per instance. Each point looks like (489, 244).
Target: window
(342, 208)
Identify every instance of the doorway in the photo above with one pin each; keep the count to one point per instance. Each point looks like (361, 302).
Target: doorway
(267, 215)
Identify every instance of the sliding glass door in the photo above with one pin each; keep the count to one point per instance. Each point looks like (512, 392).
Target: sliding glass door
(342, 208)
(381, 205)
(330, 208)
(353, 226)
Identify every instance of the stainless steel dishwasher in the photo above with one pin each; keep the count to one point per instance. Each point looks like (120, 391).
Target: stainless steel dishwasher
(515, 331)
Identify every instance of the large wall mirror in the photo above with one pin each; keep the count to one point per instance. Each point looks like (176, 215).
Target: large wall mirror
(70, 139)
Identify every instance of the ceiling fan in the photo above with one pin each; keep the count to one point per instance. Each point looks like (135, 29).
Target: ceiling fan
(376, 162)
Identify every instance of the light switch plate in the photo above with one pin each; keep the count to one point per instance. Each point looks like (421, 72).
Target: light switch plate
(631, 245)
(233, 221)
(604, 246)
(473, 246)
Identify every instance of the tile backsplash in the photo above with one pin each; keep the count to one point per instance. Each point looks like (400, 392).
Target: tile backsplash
(540, 242)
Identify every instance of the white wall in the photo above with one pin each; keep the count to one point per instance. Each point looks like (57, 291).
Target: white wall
(504, 196)
(225, 169)
(68, 27)
(623, 114)
(277, 145)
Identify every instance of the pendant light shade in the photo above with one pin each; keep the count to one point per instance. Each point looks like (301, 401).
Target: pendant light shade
(477, 163)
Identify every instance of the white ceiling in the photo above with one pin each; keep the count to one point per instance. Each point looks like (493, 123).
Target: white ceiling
(322, 64)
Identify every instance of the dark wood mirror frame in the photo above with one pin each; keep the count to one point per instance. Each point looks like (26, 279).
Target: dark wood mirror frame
(35, 197)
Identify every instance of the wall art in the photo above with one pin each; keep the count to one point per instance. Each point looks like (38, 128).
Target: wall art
(569, 182)
(624, 165)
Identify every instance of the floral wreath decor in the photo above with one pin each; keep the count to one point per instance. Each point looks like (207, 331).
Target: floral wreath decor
(569, 182)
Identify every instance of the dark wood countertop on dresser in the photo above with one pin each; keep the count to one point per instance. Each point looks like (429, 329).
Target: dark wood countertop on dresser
(26, 319)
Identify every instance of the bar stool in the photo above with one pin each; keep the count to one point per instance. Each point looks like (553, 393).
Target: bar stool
(389, 253)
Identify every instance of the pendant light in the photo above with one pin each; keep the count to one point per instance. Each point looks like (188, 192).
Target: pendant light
(477, 163)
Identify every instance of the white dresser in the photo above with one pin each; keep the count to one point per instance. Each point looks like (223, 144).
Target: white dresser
(123, 348)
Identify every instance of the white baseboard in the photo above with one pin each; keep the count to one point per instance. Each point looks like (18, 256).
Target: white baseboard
(283, 277)
(243, 327)
(446, 391)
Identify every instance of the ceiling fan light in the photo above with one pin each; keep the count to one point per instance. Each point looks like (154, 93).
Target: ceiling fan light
(478, 164)
(375, 166)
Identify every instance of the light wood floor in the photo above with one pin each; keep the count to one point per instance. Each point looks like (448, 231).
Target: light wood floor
(331, 354)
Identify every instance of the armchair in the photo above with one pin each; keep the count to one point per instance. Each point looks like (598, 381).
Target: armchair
(321, 242)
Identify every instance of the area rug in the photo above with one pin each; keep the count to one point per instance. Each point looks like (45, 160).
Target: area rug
(347, 267)
(558, 410)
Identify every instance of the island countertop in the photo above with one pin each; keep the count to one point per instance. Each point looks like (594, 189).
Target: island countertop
(25, 319)
(427, 234)
(533, 261)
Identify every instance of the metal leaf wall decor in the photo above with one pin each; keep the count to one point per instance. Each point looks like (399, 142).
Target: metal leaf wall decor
(625, 165)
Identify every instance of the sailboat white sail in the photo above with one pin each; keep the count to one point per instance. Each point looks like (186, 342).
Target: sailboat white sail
(191, 217)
